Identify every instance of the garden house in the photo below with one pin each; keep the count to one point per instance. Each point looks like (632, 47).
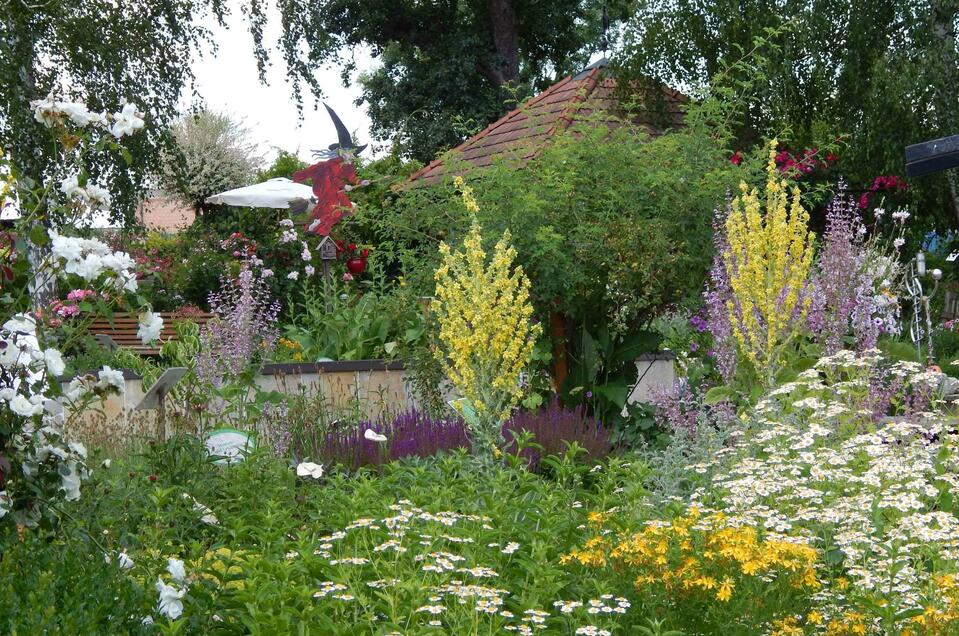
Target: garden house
(589, 96)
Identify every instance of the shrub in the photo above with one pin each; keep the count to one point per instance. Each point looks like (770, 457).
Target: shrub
(554, 428)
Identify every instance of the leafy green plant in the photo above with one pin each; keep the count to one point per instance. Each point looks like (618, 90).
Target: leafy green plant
(342, 325)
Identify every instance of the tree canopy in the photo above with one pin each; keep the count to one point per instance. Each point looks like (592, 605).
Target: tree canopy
(882, 73)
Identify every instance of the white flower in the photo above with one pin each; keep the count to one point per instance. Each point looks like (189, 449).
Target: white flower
(54, 362)
(7, 394)
(899, 242)
(176, 570)
(151, 324)
(309, 270)
(266, 273)
(309, 469)
(305, 254)
(70, 476)
(879, 212)
(105, 463)
(294, 275)
(21, 323)
(22, 407)
(111, 378)
(901, 215)
(79, 449)
(126, 122)
(124, 561)
(99, 197)
(373, 436)
(71, 187)
(286, 223)
(170, 604)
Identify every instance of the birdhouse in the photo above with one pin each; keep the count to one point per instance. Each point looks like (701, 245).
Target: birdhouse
(327, 249)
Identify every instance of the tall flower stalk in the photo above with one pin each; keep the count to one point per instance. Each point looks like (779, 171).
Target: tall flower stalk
(244, 328)
(768, 259)
(844, 300)
(483, 312)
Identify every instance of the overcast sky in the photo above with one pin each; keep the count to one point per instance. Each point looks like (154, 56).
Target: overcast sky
(228, 83)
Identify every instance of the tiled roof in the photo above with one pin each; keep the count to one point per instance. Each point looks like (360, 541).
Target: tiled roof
(523, 132)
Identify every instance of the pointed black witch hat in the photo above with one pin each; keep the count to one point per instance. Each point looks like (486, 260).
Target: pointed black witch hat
(344, 142)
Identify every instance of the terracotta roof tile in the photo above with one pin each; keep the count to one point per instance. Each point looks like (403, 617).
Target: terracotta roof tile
(524, 131)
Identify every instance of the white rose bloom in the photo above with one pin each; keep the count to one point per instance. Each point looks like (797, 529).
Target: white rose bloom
(78, 448)
(176, 570)
(65, 247)
(151, 324)
(78, 113)
(70, 481)
(124, 560)
(373, 436)
(126, 122)
(309, 469)
(99, 197)
(22, 407)
(54, 362)
(75, 390)
(71, 187)
(21, 323)
(7, 394)
(111, 378)
(170, 604)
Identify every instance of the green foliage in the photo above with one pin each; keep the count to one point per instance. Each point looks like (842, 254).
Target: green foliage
(343, 325)
(609, 226)
(257, 569)
(890, 82)
(285, 164)
(444, 67)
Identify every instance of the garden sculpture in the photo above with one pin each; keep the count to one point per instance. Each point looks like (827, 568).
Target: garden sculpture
(331, 178)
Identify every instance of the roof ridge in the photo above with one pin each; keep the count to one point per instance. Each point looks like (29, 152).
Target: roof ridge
(490, 128)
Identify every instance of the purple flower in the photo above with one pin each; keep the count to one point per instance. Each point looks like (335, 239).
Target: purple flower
(243, 328)
(694, 346)
(589, 395)
(843, 301)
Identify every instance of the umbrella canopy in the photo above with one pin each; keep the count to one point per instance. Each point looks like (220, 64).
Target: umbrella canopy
(275, 193)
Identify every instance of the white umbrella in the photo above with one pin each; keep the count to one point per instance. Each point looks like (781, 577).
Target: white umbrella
(275, 193)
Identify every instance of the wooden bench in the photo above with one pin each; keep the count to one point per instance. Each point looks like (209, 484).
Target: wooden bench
(121, 331)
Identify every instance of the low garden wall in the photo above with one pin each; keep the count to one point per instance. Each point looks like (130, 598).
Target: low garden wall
(377, 386)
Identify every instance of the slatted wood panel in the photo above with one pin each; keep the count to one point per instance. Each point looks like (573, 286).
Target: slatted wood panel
(122, 329)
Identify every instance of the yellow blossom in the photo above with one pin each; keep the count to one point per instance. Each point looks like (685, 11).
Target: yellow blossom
(768, 257)
(483, 312)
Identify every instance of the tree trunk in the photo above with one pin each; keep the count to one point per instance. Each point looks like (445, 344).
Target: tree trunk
(557, 323)
(504, 67)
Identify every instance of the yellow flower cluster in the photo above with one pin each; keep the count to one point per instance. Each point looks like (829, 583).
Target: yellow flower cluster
(484, 311)
(291, 348)
(705, 556)
(943, 619)
(767, 260)
(466, 193)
